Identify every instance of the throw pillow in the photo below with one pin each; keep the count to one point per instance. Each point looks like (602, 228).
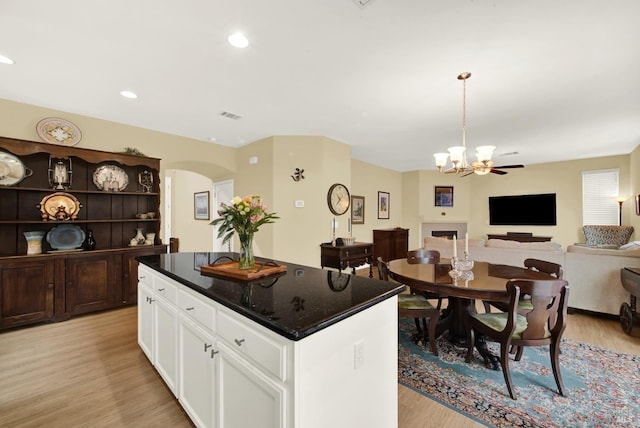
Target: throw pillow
(599, 235)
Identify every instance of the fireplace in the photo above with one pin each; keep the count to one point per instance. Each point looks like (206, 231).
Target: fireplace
(444, 230)
(449, 234)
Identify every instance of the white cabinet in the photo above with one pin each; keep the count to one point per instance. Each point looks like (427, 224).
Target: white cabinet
(234, 373)
(165, 342)
(240, 383)
(198, 367)
(158, 327)
(145, 319)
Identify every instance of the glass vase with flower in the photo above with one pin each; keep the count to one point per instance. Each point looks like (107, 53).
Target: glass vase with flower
(243, 216)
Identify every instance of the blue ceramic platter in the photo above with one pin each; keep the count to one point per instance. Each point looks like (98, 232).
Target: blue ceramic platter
(65, 237)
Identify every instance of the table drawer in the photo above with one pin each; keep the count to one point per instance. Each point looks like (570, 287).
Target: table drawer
(246, 340)
(166, 289)
(197, 309)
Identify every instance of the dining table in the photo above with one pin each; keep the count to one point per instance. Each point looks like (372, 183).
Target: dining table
(487, 282)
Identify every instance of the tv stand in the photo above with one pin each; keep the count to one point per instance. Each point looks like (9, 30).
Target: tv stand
(520, 237)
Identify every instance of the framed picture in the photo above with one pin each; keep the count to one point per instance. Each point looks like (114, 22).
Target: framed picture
(357, 209)
(201, 205)
(383, 205)
(444, 196)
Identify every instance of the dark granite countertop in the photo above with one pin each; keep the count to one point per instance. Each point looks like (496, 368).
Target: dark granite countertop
(294, 304)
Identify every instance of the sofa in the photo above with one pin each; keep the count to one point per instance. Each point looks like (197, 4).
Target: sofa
(593, 271)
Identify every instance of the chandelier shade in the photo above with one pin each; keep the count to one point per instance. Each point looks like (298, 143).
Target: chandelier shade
(458, 154)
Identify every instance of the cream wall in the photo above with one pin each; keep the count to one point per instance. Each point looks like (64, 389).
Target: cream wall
(298, 233)
(471, 196)
(301, 230)
(210, 160)
(195, 235)
(367, 180)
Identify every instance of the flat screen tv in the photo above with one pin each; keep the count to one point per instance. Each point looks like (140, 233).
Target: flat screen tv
(523, 210)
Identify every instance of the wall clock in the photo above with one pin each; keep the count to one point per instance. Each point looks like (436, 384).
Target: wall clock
(338, 199)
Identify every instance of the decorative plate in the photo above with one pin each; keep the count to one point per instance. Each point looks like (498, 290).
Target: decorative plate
(58, 131)
(65, 237)
(110, 178)
(59, 206)
(12, 170)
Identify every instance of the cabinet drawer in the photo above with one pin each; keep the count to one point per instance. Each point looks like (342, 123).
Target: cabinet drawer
(197, 309)
(166, 289)
(246, 340)
(145, 276)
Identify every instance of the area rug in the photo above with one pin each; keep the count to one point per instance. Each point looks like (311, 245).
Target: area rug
(603, 385)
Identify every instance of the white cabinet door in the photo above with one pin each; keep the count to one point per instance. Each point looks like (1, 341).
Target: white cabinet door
(197, 373)
(241, 383)
(145, 320)
(166, 341)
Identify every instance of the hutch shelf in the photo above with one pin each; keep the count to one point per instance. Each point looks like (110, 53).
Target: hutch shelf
(57, 284)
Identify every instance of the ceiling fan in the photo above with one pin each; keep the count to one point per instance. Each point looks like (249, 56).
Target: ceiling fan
(484, 164)
(479, 168)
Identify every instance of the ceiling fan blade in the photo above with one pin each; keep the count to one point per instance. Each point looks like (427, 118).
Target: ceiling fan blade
(509, 166)
(497, 171)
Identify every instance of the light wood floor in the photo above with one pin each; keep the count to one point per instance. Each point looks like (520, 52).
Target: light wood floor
(90, 372)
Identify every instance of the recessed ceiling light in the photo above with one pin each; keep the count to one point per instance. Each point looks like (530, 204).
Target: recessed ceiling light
(129, 94)
(5, 60)
(212, 139)
(238, 40)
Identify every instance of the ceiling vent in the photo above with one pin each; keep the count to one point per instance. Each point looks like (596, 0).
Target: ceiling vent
(230, 115)
(363, 3)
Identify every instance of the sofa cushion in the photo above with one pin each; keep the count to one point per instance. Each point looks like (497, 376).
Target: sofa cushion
(601, 235)
(436, 240)
(583, 249)
(503, 243)
(630, 246)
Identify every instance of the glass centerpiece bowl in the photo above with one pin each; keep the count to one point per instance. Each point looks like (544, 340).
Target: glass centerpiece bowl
(243, 216)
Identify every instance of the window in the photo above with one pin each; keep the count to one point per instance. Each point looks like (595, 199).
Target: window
(599, 189)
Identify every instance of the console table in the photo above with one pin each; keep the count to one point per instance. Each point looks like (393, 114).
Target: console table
(347, 256)
(521, 237)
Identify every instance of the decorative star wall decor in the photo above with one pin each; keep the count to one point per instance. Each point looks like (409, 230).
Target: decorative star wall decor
(297, 175)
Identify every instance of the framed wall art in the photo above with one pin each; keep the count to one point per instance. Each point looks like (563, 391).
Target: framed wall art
(383, 205)
(201, 205)
(357, 209)
(443, 196)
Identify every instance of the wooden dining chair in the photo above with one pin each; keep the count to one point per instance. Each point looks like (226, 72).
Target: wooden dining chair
(549, 300)
(553, 269)
(415, 306)
(425, 257)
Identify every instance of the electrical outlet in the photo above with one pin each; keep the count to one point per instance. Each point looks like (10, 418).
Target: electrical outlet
(358, 354)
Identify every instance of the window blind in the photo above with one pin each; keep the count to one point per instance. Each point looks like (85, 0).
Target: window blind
(599, 188)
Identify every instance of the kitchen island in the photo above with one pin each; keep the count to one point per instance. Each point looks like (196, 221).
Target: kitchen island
(305, 347)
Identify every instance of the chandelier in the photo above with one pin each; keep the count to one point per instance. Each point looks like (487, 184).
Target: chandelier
(459, 164)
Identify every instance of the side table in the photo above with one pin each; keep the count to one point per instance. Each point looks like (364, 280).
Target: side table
(347, 256)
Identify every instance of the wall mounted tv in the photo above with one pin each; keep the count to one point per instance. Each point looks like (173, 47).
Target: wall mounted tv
(523, 210)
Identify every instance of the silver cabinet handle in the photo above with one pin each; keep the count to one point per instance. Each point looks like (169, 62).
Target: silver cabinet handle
(160, 289)
(190, 308)
(213, 353)
(239, 342)
(206, 347)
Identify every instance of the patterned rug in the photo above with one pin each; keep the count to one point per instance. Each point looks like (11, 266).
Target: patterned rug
(603, 385)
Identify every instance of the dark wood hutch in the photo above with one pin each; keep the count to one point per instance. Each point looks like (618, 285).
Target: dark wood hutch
(56, 285)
